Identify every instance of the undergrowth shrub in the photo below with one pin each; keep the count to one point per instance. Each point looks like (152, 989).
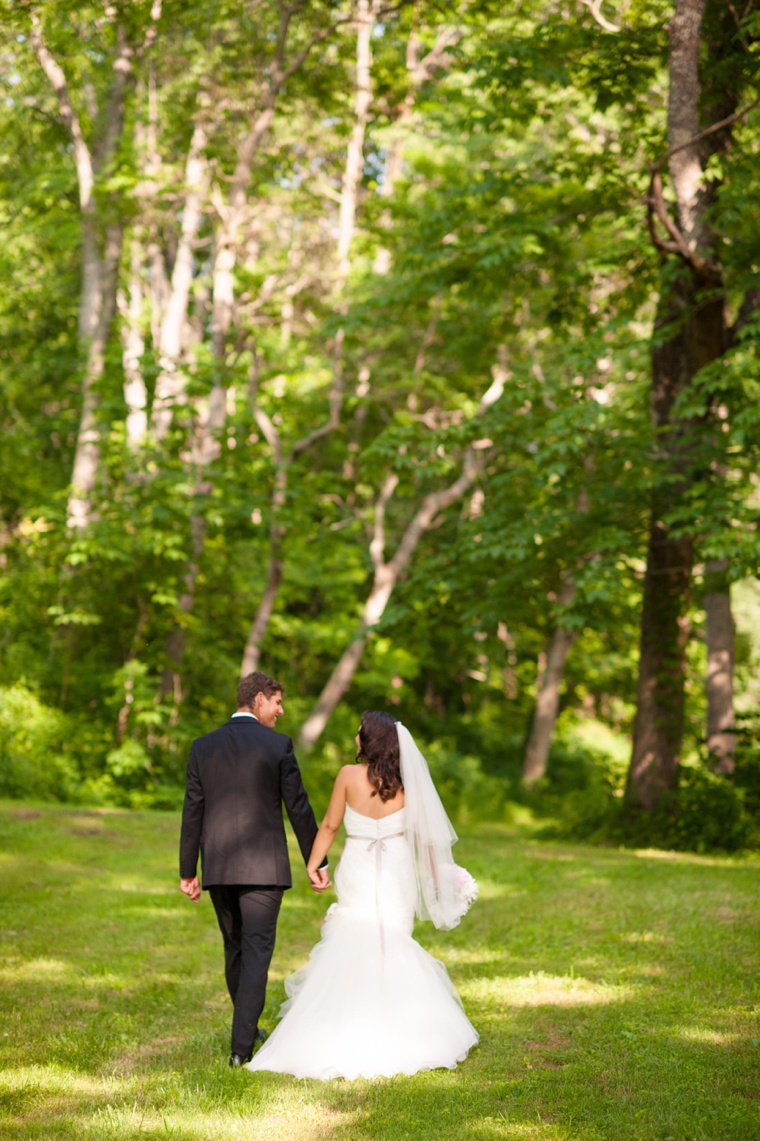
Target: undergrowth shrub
(707, 812)
(34, 739)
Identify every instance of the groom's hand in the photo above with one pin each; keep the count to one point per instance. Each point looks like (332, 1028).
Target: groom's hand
(191, 888)
(320, 879)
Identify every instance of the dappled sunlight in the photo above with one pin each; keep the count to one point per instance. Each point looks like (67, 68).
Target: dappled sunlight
(540, 989)
(144, 889)
(103, 811)
(307, 1122)
(709, 1037)
(135, 886)
(45, 972)
(108, 1106)
(466, 956)
(500, 1126)
(550, 855)
(54, 1079)
(491, 889)
(441, 1101)
(654, 937)
(692, 858)
(649, 970)
(41, 970)
(168, 913)
(43, 1093)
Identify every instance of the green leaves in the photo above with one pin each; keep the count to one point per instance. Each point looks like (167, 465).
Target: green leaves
(499, 234)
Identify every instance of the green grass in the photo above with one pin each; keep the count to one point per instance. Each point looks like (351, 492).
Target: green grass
(613, 991)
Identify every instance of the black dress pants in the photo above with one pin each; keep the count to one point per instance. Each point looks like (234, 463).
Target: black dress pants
(247, 917)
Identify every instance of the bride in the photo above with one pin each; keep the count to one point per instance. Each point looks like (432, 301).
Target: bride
(371, 1002)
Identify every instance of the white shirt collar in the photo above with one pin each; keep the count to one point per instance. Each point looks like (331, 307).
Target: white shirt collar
(243, 713)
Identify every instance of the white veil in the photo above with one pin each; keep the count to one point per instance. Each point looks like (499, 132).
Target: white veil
(444, 891)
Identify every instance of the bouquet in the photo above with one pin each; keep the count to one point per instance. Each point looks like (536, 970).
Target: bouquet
(450, 895)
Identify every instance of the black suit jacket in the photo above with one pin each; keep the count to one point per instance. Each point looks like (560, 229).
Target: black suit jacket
(238, 778)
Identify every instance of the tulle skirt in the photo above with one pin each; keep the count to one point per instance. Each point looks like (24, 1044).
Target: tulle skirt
(371, 1001)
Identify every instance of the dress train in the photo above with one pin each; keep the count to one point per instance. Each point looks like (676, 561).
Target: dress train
(371, 1001)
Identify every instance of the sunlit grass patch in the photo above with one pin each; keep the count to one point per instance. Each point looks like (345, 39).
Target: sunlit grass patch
(544, 990)
(646, 937)
(280, 1123)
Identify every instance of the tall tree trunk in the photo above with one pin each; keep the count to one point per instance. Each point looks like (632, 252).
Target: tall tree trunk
(352, 173)
(721, 721)
(658, 728)
(87, 454)
(133, 347)
(170, 382)
(547, 701)
(99, 270)
(689, 334)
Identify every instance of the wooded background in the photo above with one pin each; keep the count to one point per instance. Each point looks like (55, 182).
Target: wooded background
(407, 351)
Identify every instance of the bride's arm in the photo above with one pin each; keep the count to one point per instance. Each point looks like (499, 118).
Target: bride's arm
(328, 829)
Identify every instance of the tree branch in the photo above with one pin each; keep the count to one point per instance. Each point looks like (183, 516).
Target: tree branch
(280, 73)
(595, 8)
(377, 546)
(122, 69)
(57, 78)
(432, 505)
(656, 207)
(711, 130)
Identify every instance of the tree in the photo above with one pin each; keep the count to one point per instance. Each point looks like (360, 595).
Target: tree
(690, 333)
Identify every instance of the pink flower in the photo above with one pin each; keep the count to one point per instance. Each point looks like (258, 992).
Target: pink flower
(466, 887)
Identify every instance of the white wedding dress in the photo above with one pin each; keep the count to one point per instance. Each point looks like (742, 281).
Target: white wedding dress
(370, 1002)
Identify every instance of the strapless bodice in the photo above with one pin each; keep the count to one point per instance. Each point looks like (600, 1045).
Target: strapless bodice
(361, 827)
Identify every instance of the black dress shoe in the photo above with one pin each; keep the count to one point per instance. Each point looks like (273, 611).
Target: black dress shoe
(237, 1061)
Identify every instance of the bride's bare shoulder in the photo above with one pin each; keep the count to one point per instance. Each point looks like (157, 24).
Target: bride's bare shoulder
(353, 773)
(347, 774)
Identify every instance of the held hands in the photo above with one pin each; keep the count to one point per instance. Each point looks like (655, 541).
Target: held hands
(191, 888)
(320, 878)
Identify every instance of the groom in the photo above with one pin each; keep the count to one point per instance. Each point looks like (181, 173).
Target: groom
(238, 778)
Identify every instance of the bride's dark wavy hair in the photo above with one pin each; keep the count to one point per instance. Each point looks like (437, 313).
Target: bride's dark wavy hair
(378, 746)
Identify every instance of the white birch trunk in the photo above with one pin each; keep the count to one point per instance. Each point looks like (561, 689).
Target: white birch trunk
(260, 624)
(352, 173)
(87, 454)
(89, 301)
(133, 348)
(171, 381)
(99, 273)
(685, 163)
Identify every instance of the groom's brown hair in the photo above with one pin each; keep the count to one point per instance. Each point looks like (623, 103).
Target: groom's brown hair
(254, 683)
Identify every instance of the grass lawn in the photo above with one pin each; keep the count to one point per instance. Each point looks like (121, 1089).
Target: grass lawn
(615, 993)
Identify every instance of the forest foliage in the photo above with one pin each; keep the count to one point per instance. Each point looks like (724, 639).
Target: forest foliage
(326, 345)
